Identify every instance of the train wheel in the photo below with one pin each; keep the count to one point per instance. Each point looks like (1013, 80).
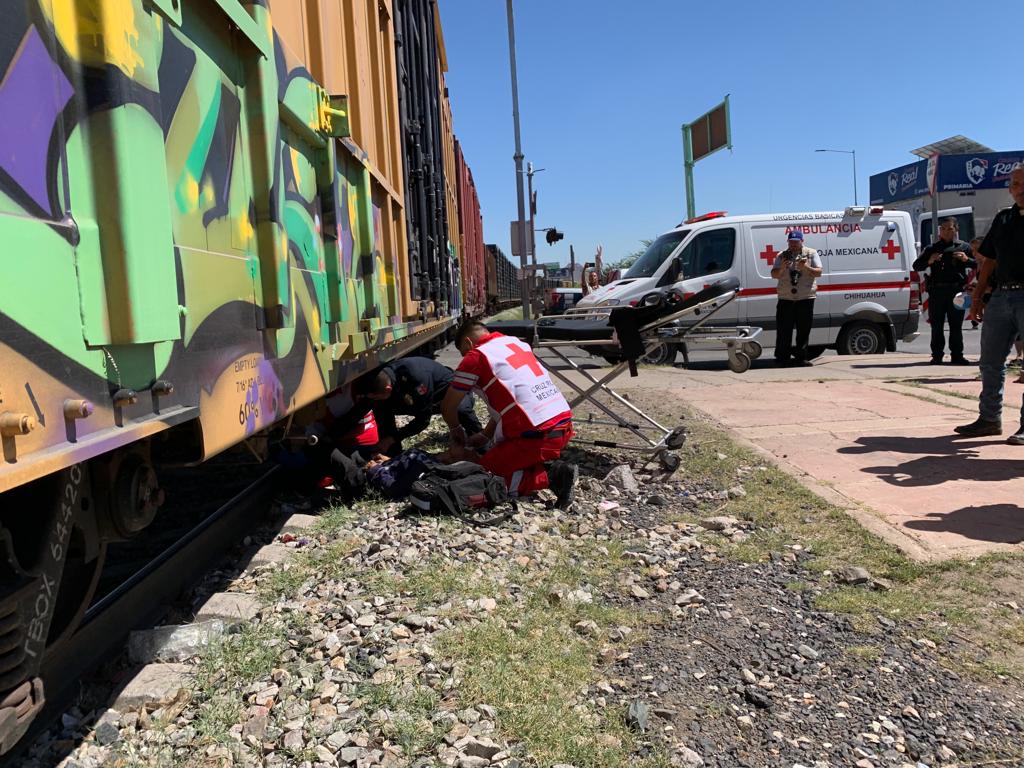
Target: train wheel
(53, 557)
(82, 571)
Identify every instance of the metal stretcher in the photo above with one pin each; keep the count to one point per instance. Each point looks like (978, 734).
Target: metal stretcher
(624, 336)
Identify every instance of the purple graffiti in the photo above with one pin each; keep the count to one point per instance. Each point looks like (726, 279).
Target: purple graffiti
(32, 94)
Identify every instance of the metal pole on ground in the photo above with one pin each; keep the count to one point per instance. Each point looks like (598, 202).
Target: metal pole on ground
(518, 157)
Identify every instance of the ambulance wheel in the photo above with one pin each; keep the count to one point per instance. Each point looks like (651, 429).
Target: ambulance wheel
(861, 338)
(662, 354)
(669, 460)
(739, 362)
(753, 348)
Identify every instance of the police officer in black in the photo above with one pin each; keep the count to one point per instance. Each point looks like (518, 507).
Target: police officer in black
(948, 261)
(1003, 314)
(412, 386)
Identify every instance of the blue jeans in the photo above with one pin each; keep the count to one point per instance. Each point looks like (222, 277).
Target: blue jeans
(1003, 322)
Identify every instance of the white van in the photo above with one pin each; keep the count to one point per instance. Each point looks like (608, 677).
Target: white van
(868, 298)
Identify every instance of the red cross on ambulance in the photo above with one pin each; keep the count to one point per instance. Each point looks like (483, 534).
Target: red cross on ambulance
(769, 254)
(890, 249)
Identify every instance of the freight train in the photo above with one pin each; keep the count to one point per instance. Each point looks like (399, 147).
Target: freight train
(212, 214)
(503, 288)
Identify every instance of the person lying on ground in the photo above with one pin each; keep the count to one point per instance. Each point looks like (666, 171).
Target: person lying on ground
(388, 476)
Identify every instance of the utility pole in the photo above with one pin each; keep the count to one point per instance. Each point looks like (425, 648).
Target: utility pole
(531, 196)
(532, 201)
(518, 157)
(572, 266)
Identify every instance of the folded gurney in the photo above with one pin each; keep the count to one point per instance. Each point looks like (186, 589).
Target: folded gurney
(624, 335)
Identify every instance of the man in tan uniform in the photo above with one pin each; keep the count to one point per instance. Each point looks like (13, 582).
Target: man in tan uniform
(797, 269)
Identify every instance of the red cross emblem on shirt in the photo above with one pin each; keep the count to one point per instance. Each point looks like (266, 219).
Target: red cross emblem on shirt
(890, 249)
(523, 358)
(769, 254)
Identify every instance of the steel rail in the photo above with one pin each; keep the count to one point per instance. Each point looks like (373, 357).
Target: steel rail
(142, 599)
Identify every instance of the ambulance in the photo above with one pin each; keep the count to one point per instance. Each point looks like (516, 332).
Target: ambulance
(868, 297)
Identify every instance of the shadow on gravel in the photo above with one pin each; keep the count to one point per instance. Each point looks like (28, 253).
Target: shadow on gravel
(1002, 523)
(591, 463)
(942, 445)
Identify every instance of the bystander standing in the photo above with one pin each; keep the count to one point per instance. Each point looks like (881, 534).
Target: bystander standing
(797, 269)
(948, 265)
(1003, 315)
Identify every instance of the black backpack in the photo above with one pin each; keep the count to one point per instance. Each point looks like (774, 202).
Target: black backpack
(458, 490)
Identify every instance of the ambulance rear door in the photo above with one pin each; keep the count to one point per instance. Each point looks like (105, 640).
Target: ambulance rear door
(869, 280)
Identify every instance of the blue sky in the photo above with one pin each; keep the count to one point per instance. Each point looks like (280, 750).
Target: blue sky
(604, 87)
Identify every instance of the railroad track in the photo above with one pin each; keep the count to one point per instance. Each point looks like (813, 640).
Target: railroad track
(142, 599)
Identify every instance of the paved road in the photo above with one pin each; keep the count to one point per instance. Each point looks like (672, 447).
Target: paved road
(922, 344)
(919, 346)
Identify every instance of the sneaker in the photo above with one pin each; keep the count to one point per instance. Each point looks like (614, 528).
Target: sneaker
(980, 428)
(1017, 438)
(960, 361)
(562, 480)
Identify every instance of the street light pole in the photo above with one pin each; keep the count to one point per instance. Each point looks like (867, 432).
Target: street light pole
(853, 152)
(530, 171)
(518, 157)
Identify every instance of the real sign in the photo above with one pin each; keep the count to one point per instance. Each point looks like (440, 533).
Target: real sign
(984, 170)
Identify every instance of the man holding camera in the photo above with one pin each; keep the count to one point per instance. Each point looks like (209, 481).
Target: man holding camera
(948, 261)
(797, 269)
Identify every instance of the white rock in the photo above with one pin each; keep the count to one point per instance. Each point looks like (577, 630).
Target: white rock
(621, 477)
(173, 643)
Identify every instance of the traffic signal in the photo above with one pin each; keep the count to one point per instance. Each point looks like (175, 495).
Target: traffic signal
(553, 236)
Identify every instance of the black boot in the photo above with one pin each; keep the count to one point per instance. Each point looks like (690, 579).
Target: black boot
(562, 478)
(980, 428)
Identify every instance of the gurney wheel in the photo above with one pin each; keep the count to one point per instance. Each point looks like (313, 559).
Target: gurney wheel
(739, 362)
(676, 438)
(753, 348)
(669, 460)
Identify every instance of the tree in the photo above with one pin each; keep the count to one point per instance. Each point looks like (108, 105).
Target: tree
(630, 258)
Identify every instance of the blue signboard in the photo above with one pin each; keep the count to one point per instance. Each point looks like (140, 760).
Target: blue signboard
(985, 170)
(901, 183)
(989, 170)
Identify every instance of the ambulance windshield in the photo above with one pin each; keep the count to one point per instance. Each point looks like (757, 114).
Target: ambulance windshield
(656, 254)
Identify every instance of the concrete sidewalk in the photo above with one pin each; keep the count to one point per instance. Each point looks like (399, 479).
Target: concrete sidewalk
(875, 434)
